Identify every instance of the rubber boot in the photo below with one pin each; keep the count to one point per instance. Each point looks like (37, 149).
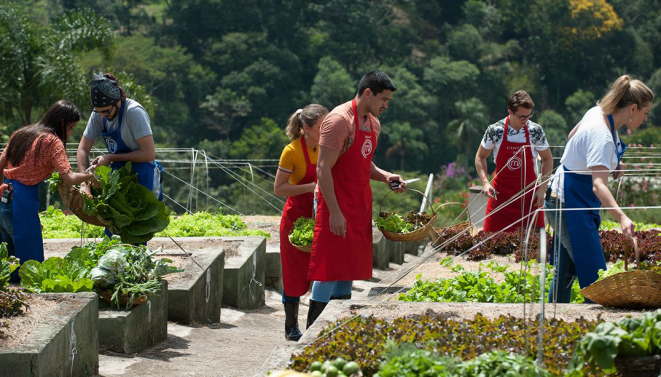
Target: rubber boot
(292, 332)
(316, 307)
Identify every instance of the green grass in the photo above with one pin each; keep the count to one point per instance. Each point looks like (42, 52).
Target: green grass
(57, 224)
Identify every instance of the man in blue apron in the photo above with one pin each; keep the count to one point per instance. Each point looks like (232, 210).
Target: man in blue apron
(125, 127)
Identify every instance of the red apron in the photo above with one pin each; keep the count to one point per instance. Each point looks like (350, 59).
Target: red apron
(508, 183)
(295, 262)
(333, 257)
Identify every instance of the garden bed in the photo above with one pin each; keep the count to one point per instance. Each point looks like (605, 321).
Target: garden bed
(57, 336)
(133, 330)
(244, 275)
(196, 294)
(318, 346)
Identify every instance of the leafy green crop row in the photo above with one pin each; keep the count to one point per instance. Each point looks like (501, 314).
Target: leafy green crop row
(12, 301)
(480, 286)
(442, 334)
(57, 224)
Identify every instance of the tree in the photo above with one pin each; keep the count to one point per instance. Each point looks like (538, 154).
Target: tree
(332, 85)
(577, 104)
(555, 128)
(263, 140)
(406, 141)
(38, 64)
(224, 110)
(468, 126)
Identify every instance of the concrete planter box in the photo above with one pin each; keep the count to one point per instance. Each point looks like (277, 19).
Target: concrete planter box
(65, 343)
(395, 251)
(196, 295)
(273, 269)
(140, 327)
(380, 255)
(244, 278)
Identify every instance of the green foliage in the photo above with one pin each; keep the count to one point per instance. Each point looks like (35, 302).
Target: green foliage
(263, 140)
(443, 335)
(12, 301)
(480, 286)
(56, 224)
(206, 224)
(133, 211)
(577, 104)
(555, 128)
(406, 360)
(629, 337)
(55, 274)
(395, 223)
(303, 232)
(332, 84)
(501, 363)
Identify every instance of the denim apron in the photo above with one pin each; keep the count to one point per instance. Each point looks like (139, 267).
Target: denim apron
(149, 174)
(25, 228)
(583, 226)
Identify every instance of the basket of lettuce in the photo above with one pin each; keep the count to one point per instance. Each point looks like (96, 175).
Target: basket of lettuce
(413, 227)
(620, 287)
(120, 203)
(302, 233)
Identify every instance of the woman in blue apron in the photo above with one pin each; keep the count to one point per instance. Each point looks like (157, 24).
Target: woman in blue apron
(126, 129)
(593, 152)
(31, 156)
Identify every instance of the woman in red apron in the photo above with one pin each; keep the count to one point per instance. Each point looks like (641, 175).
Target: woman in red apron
(296, 178)
(342, 245)
(515, 170)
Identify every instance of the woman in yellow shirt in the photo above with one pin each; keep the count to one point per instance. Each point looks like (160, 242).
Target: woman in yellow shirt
(296, 178)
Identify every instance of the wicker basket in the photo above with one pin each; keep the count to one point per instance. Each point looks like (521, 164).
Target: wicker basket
(73, 200)
(646, 366)
(416, 235)
(123, 298)
(438, 235)
(306, 248)
(629, 289)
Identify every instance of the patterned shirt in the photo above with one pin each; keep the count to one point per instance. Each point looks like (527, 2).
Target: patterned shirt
(36, 168)
(493, 137)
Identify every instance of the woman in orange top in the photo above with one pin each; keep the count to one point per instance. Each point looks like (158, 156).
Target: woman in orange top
(297, 178)
(31, 156)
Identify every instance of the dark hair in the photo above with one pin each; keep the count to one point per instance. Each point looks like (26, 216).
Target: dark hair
(377, 82)
(520, 98)
(625, 92)
(110, 76)
(308, 115)
(55, 121)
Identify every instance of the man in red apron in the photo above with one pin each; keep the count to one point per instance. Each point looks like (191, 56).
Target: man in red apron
(342, 246)
(516, 142)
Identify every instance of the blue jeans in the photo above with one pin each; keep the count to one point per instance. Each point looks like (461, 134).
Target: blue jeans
(324, 291)
(565, 269)
(7, 227)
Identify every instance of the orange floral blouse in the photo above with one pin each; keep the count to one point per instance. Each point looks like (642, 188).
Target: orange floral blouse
(36, 168)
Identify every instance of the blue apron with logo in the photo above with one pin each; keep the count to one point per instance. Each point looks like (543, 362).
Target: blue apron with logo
(583, 226)
(26, 226)
(149, 174)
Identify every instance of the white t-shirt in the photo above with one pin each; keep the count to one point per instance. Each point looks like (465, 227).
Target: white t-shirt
(592, 145)
(493, 137)
(135, 124)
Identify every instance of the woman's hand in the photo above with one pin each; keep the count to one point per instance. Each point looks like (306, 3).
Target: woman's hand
(619, 170)
(628, 227)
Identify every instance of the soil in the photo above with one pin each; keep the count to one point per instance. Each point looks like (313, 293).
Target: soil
(21, 326)
(270, 224)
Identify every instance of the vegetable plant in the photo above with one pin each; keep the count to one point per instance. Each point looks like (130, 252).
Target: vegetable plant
(12, 301)
(303, 231)
(394, 223)
(133, 210)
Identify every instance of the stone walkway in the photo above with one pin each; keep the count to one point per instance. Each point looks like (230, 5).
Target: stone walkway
(240, 345)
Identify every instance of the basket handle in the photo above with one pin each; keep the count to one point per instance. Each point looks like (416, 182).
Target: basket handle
(637, 250)
(409, 189)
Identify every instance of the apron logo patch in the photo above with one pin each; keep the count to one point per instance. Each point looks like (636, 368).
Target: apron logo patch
(112, 145)
(366, 150)
(514, 163)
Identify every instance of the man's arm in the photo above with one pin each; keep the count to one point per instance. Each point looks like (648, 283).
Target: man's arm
(379, 174)
(481, 168)
(83, 153)
(146, 152)
(325, 162)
